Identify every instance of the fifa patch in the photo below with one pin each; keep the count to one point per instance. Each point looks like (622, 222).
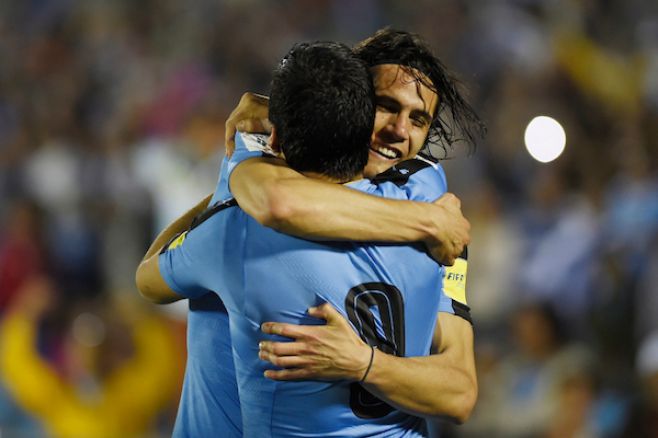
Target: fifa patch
(178, 241)
(256, 143)
(454, 281)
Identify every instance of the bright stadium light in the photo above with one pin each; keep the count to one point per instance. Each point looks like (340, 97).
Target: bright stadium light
(545, 139)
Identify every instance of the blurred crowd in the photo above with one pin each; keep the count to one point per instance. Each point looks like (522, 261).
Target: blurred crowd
(111, 125)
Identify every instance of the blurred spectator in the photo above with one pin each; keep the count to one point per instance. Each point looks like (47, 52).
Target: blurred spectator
(179, 170)
(585, 410)
(631, 205)
(644, 418)
(114, 376)
(646, 303)
(520, 391)
(22, 250)
(561, 233)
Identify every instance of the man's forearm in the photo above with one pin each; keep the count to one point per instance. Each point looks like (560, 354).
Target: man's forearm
(443, 384)
(324, 211)
(446, 387)
(149, 282)
(283, 199)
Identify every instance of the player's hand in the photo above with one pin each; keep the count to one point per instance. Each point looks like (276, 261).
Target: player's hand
(452, 230)
(325, 352)
(249, 116)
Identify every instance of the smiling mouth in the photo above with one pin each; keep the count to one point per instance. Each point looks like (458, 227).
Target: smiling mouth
(386, 152)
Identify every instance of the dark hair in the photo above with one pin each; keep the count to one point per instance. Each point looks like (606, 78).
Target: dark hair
(454, 119)
(322, 106)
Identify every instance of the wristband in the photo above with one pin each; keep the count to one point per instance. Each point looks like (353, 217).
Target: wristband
(372, 356)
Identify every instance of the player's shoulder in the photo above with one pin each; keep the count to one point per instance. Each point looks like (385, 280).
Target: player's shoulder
(402, 172)
(416, 179)
(211, 211)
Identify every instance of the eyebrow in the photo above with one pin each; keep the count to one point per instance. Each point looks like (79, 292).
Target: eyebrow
(389, 101)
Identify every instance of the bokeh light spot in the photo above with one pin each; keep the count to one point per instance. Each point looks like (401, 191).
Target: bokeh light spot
(545, 139)
(89, 330)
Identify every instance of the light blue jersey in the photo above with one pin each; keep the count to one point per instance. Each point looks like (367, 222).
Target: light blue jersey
(390, 294)
(209, 400)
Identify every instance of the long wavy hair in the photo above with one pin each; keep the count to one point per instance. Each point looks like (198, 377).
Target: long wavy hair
(455, 121)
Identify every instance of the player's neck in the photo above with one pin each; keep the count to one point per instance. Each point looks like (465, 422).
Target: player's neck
(332, 180)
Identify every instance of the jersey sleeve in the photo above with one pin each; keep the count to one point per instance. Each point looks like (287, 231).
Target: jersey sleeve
(453, 292)
(246, 146)
(221, 191)
(186, 263)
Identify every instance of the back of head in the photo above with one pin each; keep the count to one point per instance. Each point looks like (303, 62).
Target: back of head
(454, 119)
(322, 107)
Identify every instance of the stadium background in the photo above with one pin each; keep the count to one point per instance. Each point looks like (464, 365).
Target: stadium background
(111, 124)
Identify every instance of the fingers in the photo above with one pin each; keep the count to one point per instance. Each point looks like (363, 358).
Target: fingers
(267, 126)
(252, 109)
(306, 332)
(288, 330)
(285, 361)
(256, 126)
(290, 374)
(229, 137)
(287, 355)
(449, 199)
(283, 348)
(453, 230)
(325, 311)
(448, 261)
(467, 238)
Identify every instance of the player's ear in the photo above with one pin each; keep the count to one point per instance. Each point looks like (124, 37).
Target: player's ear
(274, 143)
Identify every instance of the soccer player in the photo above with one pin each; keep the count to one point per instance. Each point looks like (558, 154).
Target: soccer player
(323, 121)
(413, 91)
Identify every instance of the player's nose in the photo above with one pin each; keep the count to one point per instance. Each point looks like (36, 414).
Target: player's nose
(399, 127)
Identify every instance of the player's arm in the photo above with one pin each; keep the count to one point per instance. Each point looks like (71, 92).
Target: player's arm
(442, 384)
(280, 198)
(150, 283)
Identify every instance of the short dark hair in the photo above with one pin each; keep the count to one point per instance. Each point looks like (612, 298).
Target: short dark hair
(322, 105)
(454, 119)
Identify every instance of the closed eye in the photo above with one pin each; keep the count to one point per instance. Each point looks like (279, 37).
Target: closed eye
(420, 119)
(420, 122)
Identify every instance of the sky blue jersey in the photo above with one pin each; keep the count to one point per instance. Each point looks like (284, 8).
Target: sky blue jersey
(390, 294)
(209, 400)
